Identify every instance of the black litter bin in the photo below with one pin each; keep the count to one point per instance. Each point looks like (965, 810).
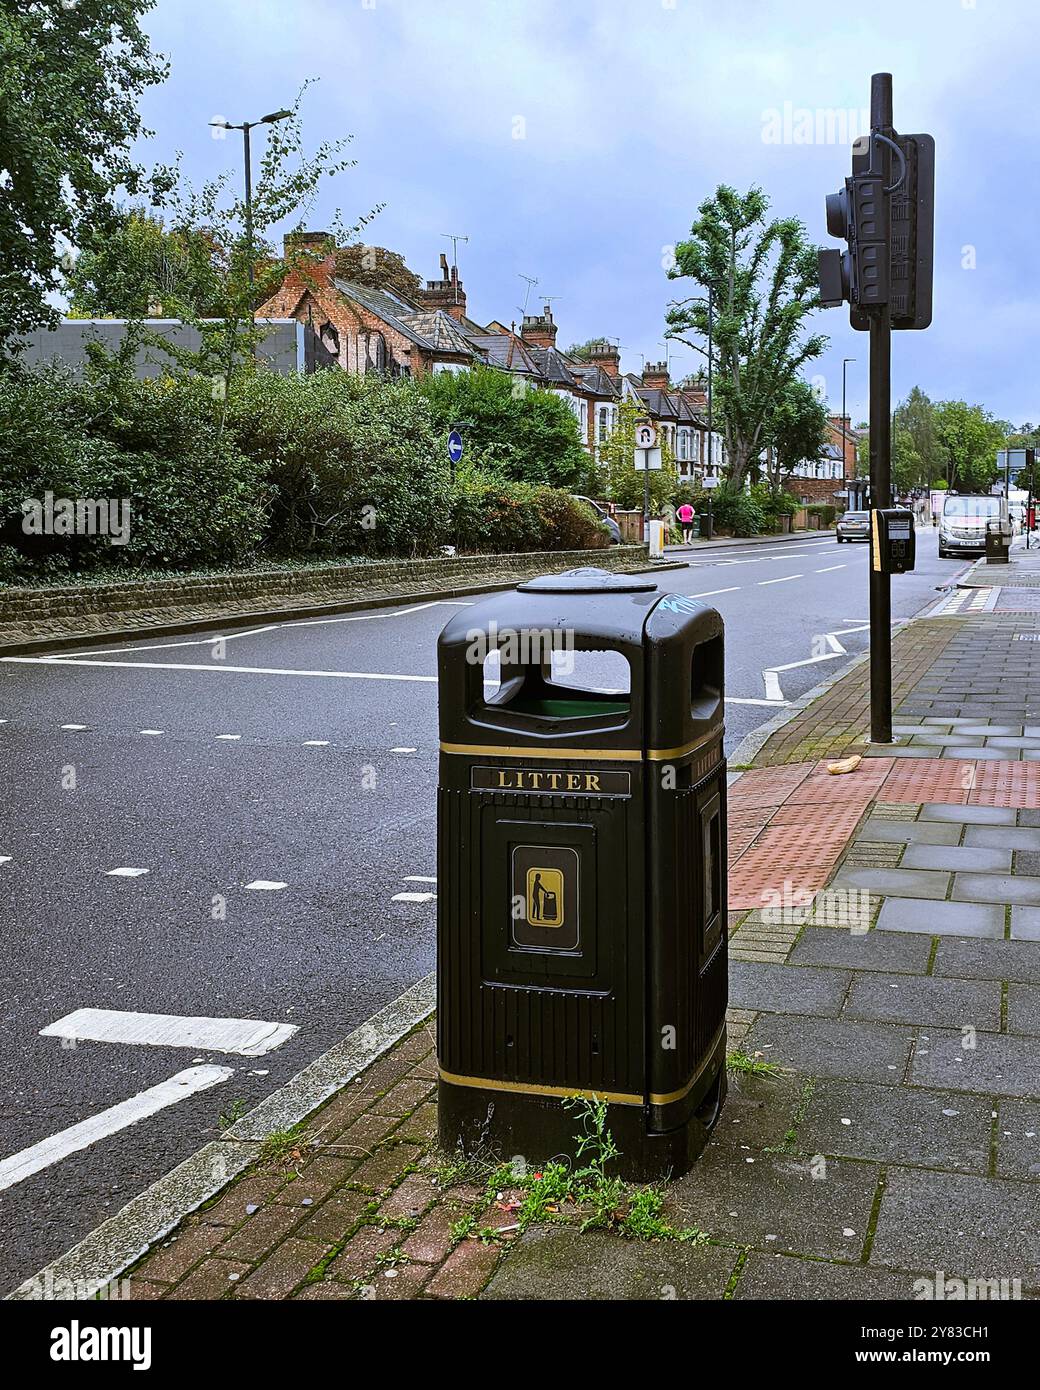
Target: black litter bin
(582, 871)
(998, 542)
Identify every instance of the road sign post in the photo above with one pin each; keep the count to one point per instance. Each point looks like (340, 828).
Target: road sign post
(454, 450)
(647, 456)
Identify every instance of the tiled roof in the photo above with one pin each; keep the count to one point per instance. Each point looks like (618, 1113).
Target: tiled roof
(594, 378)
(440, 330)
(504, 351)
(552, 365)
(385, 306)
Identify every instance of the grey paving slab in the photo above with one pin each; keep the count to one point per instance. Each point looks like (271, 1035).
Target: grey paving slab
(908, 883)
(1025, 924)
(989, 730)
(925, 1000)
(782, 1277)
(989, 960)
(996, 888)
(1023, 1006)
(832, 1047)
(967, 815)
(1002, 837)
(1018, 1139)
(958, 1223)
(1027, 861)
(941, 918)
(563, 1262)
(946, 720)
(758, 1110)
(775, 1203)
(870, 950)
(908, 832)
(898, 1124)
(987, 754)
(960, 739)
(900, 750)
(782, 989)
(958, 858)
(997, 1065)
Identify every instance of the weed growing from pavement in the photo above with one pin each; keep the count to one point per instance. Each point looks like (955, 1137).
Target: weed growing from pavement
(752, 1065)
(559, 1191)
(281, 1146)
(233, 1113)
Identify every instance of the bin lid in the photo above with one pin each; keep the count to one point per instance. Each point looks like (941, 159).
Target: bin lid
(589, 581)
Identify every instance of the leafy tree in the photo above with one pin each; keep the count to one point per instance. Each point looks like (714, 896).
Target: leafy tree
(620, 479)
(967, 439)
(70, 79)
(908, 468)
(763, 281)
(528, 434)
(380, 269)
(139, 269)
(798, 430)
(915, 417)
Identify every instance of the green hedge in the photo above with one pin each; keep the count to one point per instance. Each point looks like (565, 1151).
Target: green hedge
(320, 466)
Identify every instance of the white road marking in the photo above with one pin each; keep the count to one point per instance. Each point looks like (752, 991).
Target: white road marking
(266, 885)
(418, 878)
(107, 1122)
(739, 700)
(827, 568)
(77, 727)
(782, 580)
(5, 859)
(772, 680)
(229, 738)
(274, 627)
(404, 750)
(219, 670)
(125, 873)
(710, 592)
(413, 897)
(249, 1037)
(316, 743)
(152, 733)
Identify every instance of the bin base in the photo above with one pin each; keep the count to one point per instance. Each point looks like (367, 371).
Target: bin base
(514, 1124)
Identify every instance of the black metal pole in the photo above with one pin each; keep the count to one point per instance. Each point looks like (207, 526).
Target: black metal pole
(880, 452)
(711, 451)
(646, 496)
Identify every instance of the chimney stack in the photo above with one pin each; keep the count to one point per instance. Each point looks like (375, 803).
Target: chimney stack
(607, 357)
(655, 376)
(446, 293)
(539, 330)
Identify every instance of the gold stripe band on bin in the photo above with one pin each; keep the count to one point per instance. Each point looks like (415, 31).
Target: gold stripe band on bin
(614, 755)
(531, 1088)
(672, 1096)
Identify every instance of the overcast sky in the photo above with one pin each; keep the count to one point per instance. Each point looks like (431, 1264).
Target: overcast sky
(572, 141)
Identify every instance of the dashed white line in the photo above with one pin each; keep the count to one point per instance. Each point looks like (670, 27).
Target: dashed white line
(228, 738)
(5, 859)
(248, 1037)
(404, 750)
(152, 733)
(418, 878)
(107, 1122)
(76, 727)
(710, 592)
(125, 873)
(782, 580)
(266, 885)
(316, 743)
(827, 568)
(413, 897)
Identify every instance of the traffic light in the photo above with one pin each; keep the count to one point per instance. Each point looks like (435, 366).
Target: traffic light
(889, 230)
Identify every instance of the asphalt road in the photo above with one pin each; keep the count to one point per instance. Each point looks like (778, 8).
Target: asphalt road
(278, 793)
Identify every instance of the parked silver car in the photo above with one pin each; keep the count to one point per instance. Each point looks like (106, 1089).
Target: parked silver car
(853, 526)
(607, 520)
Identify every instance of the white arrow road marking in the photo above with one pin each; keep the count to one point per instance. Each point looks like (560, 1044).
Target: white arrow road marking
(128, 1112)
(222, 669)
(249, 1037)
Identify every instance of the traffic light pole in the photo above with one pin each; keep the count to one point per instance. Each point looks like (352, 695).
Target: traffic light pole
(880, 453)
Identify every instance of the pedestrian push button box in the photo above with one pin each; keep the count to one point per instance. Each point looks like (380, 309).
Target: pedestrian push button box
(893, 543)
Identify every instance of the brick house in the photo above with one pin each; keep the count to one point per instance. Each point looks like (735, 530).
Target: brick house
(825, 480)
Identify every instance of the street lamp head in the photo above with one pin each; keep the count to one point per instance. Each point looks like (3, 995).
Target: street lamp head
(274, 116)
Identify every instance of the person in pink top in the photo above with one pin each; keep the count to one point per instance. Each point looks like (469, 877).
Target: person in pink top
(685, 518)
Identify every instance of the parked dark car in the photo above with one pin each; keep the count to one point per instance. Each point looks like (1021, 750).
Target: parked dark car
(853, 526)
(607, 520)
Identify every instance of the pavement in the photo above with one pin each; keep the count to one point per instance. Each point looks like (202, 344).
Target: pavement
(238, 826)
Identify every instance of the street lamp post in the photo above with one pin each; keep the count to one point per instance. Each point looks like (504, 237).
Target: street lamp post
(844, 440)
(711, 451)
(245, 127)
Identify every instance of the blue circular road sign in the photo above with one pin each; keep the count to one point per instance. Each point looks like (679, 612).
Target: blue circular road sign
(454, 446)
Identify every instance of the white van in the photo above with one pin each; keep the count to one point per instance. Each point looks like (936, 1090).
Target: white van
(962, 526)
